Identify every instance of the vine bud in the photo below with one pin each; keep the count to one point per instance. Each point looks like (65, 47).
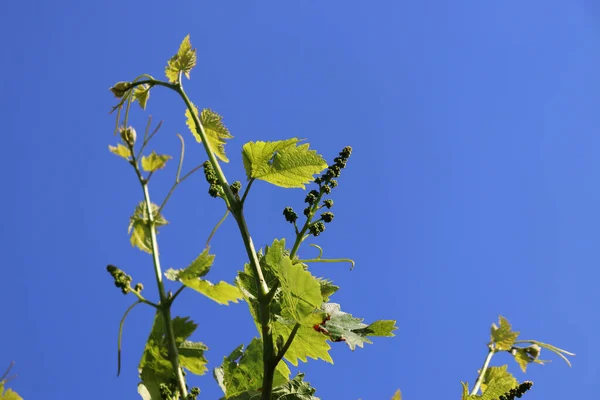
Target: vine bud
(120, 89)
(128, 135)
(328, 203)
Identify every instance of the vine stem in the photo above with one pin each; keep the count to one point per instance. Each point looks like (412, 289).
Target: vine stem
(164, 307)
(236, 208)
(486, 364)
(165, 303)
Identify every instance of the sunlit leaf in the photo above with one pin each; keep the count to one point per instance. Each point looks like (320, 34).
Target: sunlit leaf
(183, 61)
(154, 161)
(343, 327)
(216, 132)
(120, 150)
(141, 93)
(139, 228)
(243, 372)
(308, 343)
(503, 337)
(191, 357)
(221, 292)
(282, 163)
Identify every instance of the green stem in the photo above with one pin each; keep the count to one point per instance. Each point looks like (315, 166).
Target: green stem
(288, 343)
(235, 206)
(165, 305)
(486, 364)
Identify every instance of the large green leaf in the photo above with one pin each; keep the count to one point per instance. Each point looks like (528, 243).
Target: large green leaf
(497, 373)
(155, 367)
(183, 61)
(216, 132)
(307, 343)
(343, 327)
(243, 371)
(503, 336)
(282, 163)
(300, 291)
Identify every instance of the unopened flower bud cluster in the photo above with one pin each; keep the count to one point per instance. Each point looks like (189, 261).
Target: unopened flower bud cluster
(326, 183)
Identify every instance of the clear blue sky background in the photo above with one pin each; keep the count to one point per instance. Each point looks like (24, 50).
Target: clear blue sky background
(473, 189)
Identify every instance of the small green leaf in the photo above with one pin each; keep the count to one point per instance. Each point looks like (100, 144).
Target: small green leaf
(120, 150)
(222, 292)
(327, 289)
(282, 163)
(191, 356)
(142, 93)
(503, 337)
(382, 328)
(183, 61)
(9, 394)
(397, 395)
(343, 327)
(197, 269)
(139, 226)
(216, 132)
(154, 161)
(465, 390)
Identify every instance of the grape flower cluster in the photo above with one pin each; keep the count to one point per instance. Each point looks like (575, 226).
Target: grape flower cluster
(326, 183)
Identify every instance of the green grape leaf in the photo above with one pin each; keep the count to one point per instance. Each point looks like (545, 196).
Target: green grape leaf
(197, 269)
(296, 389)
(307, 343)
(383, 328)
(155, 367)
(343, 327)
(527, 355)
(497, 373)
(496, 387)
(216, 132)
(257, 156)
(397, 395)
(300, 291)
(154, 161)
(9, 394)
(327, 288)
(242, 373)
(183, 61)
(141, 93)
(191, 357)
(282, 163)
(465, 390)
(139, 226)
(120, 150)
(222, 292)
(503, 337)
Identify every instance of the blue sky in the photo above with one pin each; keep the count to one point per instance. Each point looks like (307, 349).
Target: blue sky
(473, 189)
